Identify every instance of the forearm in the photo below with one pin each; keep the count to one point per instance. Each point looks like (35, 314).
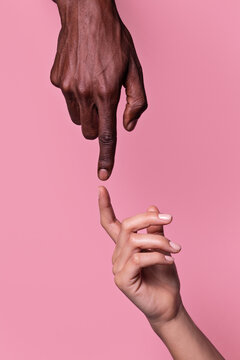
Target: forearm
(77, 11)
(184, 340)
(88, 1)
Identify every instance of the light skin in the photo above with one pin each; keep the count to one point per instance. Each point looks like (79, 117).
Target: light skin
(95, 58)
(144, 270)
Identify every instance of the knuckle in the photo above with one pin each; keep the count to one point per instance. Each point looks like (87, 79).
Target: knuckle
(107, 138)
(102, 222)
(66, 85)
(131, 240)
(118, 281)
(54, 79)
(125, 225)
(135, 259)
(114, 257)
(114, 269)
(105, 92)
(83, 91)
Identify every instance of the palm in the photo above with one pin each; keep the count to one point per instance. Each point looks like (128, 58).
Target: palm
(154, 285)
(158, 290)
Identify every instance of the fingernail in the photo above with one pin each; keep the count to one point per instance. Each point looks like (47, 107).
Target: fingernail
(131, 125)
(103, 174)
(175, 246)
(165, 217)
(169, 258)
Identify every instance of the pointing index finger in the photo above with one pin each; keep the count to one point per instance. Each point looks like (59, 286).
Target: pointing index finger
(107, 215)
(107, 139)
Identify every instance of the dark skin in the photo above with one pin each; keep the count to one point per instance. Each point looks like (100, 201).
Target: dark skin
(95, 58)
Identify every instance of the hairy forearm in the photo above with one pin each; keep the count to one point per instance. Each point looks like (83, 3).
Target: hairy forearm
(184, 340)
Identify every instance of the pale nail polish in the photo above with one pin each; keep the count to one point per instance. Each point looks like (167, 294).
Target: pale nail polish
(165, 217)
(174, 245)
(169, 258)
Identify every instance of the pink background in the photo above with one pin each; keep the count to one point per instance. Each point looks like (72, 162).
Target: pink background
(57, 295)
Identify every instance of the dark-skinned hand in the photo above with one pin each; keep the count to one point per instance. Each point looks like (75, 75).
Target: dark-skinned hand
(95, 58)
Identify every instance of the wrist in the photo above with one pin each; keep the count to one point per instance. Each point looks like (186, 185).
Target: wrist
(86, 2)
(79, 11)
(184, 339)
(160, 324)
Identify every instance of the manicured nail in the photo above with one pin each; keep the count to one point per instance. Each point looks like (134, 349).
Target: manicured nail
(165, 217)
(175, 246)
(131, 125)
(103, 174)
(169, 258)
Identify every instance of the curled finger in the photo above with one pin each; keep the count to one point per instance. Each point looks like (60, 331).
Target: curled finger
(73, 107)
(142, 243)
(127, 276)
(89, 120)
(143, 221)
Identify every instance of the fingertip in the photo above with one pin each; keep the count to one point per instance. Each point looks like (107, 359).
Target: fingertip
(100, 191)
(130, 126)
(171, 219)
(169, 259)
(103, 174)
(103, 196)
(176, 247)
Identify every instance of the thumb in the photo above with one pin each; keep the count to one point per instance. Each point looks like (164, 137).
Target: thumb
(136, 96)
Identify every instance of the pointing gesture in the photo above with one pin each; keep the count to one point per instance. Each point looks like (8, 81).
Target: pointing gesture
(95, 58)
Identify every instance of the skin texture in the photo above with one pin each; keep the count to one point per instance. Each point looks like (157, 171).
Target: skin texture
(145, 272)
(95, 58)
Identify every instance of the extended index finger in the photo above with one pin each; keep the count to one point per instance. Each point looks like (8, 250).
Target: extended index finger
(107, 215)
(107, 138)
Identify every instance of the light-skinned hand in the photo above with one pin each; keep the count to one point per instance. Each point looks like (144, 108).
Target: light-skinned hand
(143, 267)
